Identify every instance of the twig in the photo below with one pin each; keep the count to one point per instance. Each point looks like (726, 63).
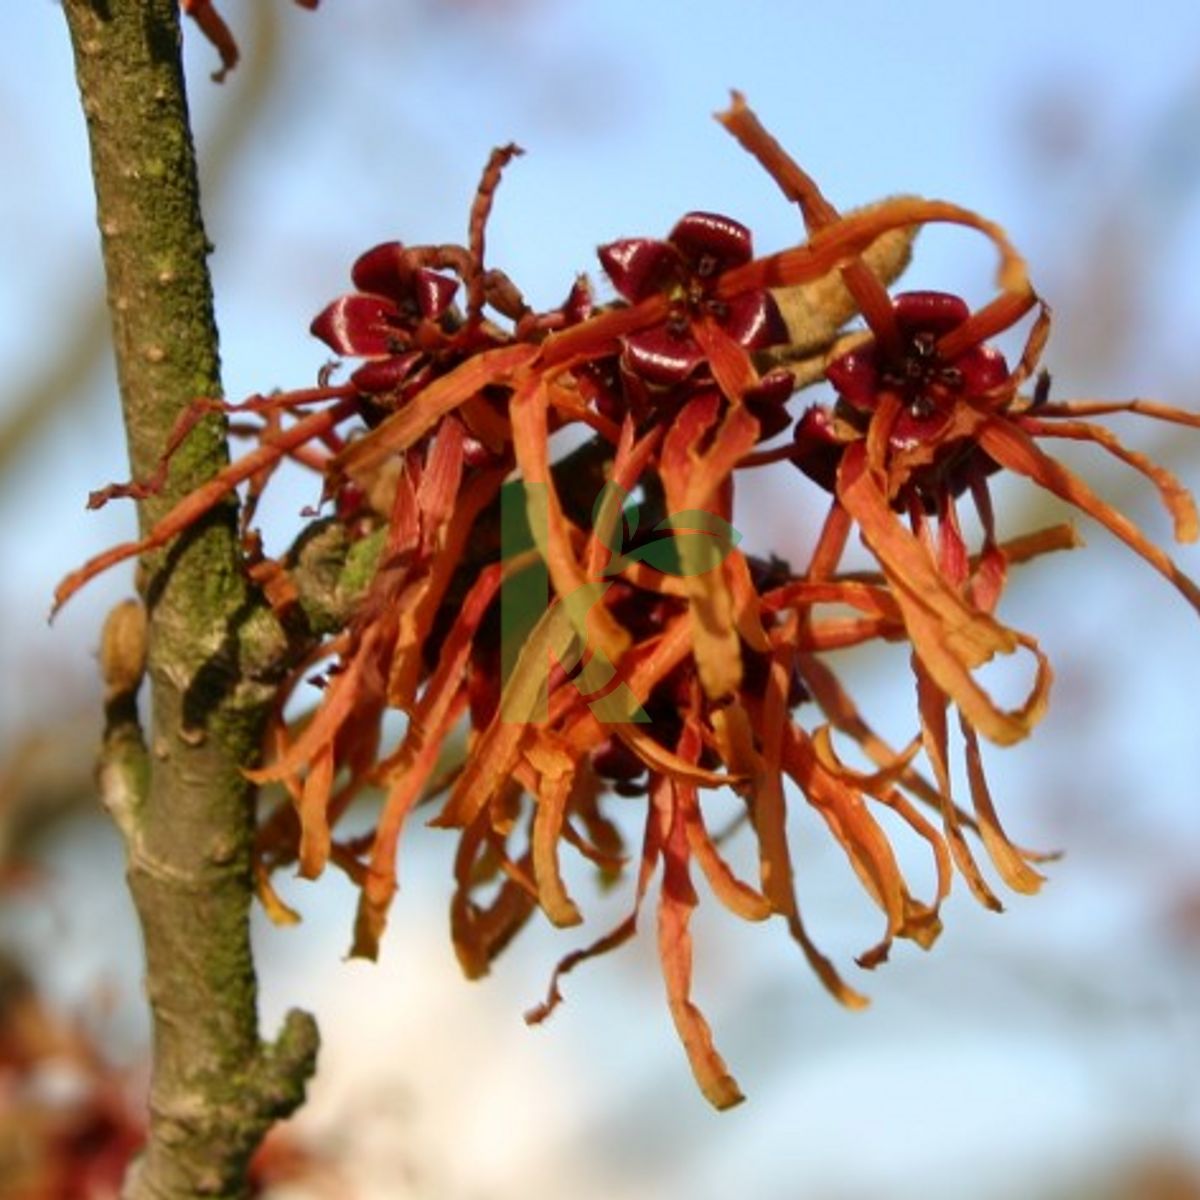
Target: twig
(214, 651)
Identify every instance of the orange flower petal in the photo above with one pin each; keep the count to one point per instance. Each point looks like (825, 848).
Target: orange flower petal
(556, 771)
(1013, 448)
(693, 480)
(1103, 408)
(867, 848)
(1176, 498)
(677, 900)
(838, 244)
(600, 334)
(949, 636)
(314, 827)
(769, 816)
(277, 911)
(337, 704)
(931, 703)
(1013, 868)
(547, 521)
(619, 935)
(204, 498)
(421, 749)
(407, 425)
(730, 363)
(480, 932)
(738, 897)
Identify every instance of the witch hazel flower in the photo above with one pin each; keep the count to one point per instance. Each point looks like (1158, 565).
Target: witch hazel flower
(927, 409)
(650, 670)
(686, 266)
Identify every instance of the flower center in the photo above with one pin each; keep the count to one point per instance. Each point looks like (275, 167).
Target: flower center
(923, 381)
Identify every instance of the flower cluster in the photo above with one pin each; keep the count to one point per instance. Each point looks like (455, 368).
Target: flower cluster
(595, 662)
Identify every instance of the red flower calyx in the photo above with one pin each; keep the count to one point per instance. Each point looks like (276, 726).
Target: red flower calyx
(686, 266)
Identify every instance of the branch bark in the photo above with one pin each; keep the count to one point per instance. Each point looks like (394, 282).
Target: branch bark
(214, 652)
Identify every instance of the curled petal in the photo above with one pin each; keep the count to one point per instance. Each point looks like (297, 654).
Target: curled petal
(676, 903)
(556, 771)
(949, 635)
(404, 791)
(769, 817)
(739, 897)
(277, 911)
(314, 821)
(996, 316)
(867, 848)
(1176, 498)
(667, 762)
(931, 707)
(1099, 408)
(618, 936)
(1012, 447)
(814, 312)
(363, 326)
(194, 505)
(481, 931)
(848, 237)
(692, 478)
(336, 709)
(1008, 860)
(729, 362)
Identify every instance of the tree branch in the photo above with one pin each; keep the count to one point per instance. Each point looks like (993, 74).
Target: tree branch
(214, 651)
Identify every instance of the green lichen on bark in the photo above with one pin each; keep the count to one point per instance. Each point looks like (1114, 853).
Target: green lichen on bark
(214, 651)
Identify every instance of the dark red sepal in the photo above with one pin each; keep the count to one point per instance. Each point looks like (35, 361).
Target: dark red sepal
(578, 304)
(384, 375)
(612, 759)
(358, 325)
(767, 400)
(711, 242)
(818, 449)
(982, 368)
(912, 428)
(932, 312)
(477, 454)
(661, 357)
(434, 292)
(383, 269)
(753, 320)
(637, 267)
(856, 377)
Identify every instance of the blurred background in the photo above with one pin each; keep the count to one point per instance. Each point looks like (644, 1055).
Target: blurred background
(1051, 1052)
